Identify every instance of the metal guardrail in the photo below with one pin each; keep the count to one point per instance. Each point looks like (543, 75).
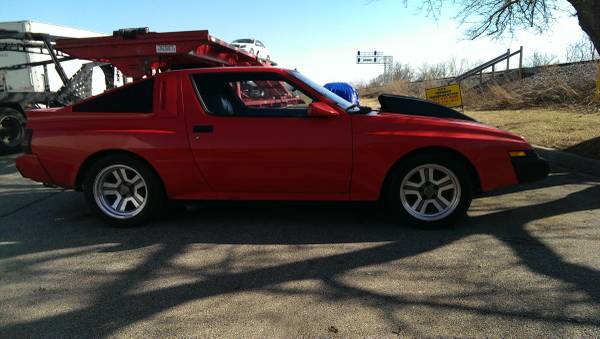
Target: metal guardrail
(492, 63)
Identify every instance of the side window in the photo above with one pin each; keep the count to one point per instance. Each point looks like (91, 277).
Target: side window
(134, 98)
(260, 44)
(260, 94)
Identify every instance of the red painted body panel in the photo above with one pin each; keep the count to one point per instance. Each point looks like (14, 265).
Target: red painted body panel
(346, 157)
(270, 155)
(30, 167)
(381, 140)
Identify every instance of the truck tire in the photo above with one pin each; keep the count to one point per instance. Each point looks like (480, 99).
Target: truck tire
(123, 190)
(12, 130)
(430, 190)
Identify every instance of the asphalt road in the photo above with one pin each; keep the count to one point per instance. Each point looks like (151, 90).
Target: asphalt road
(524, 263)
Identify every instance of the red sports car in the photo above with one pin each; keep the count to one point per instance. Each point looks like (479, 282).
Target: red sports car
(265, 133)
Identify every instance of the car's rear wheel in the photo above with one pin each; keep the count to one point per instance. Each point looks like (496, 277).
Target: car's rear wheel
(11, 130)
(430, 190)
(123, 190)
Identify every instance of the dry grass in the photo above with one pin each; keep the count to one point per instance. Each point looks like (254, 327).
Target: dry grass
(371, 102)
(553, 85)
(569, 130)
(549, 86)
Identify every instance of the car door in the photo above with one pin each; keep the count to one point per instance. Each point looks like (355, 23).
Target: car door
(251, 136)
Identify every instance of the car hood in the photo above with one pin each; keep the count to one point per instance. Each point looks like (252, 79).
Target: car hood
(415, 114)
(435, 126)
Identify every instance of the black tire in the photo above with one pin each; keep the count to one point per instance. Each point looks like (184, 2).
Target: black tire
(12, 130)
(153, 192)
(409, 169)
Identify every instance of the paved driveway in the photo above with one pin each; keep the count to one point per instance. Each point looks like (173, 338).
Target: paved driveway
(523, 263)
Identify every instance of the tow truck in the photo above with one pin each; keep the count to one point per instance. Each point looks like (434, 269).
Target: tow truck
(135, 52)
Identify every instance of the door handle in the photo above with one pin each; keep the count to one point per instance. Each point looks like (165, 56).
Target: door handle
(202, 129)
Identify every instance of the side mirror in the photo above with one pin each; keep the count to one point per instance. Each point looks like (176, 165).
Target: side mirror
(321, 110)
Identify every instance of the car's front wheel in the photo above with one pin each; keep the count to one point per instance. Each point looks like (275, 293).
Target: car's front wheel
(430, 189)
(123, 190)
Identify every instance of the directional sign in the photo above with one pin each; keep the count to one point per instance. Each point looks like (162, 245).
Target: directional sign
(375, 57)
(366, 60)
(448, 96)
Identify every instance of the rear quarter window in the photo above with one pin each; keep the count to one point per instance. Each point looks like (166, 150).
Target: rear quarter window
(134, 98)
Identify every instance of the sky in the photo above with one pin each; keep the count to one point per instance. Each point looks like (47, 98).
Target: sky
(320, 38)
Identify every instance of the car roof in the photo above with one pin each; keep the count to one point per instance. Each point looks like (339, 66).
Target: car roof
(234, 69)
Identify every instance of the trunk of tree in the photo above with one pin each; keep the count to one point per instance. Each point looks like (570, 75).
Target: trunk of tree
(588, 13)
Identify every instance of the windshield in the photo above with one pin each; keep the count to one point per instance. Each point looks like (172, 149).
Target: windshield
(243, 41)
(327, 93)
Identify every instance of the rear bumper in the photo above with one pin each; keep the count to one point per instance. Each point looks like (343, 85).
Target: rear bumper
(530, 168)
(30, 167)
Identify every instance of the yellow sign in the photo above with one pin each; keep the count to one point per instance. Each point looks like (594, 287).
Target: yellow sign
(448, 96)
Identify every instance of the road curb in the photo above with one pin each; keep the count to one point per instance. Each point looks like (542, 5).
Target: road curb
(570, 161)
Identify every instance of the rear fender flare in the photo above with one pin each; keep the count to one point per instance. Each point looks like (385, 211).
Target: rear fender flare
(91, 159)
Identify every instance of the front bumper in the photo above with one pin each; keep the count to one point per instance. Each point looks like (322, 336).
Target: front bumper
(30, 167)
(530, 168)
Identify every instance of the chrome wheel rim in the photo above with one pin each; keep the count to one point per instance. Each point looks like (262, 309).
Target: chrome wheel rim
(10, 131)
(430, 192)
(120, 191)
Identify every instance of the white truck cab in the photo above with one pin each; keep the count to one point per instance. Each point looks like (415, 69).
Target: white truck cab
(28, 77)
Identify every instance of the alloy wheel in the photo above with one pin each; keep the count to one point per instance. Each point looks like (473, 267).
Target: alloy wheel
(430, 192)
(120, 191)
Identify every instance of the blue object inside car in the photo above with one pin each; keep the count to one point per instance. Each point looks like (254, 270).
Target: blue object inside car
(344, 90)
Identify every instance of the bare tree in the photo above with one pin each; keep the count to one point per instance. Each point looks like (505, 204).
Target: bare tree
(456, 67)
(541, 59)
(402, 72)
(497, 17)
(581, 50)
(432, 72)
